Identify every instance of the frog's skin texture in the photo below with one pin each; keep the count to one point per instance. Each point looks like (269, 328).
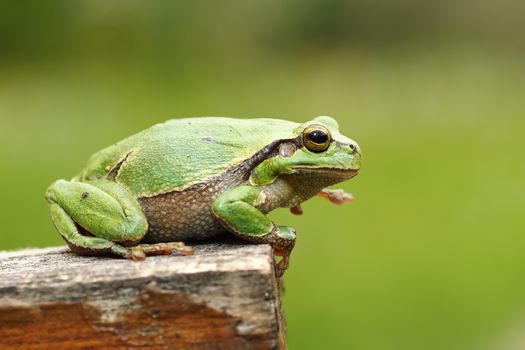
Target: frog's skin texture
(192, 179)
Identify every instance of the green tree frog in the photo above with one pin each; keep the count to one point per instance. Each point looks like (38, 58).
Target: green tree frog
(197, 178)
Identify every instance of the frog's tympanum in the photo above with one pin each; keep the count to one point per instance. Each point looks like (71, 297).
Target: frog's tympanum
(193, 179)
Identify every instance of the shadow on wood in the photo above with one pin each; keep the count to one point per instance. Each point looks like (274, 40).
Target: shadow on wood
(224, 297)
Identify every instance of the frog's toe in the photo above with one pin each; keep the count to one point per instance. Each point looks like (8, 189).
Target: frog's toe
(283, 244)
(169, 248)
(133, 253)
(140, 251)
(283, 264)
(337, 196)
(137, 254)
(296, 210)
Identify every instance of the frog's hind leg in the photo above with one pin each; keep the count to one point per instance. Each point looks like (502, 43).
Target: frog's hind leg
(105, 210)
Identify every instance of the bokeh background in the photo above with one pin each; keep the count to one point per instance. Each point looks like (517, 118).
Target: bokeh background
(431, 255)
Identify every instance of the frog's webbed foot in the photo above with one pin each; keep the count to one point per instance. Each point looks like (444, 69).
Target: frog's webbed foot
(283, 264)
(140, 251)
(283, 243)
(336, 196)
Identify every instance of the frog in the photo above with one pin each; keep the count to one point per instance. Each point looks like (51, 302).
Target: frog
(194, 179)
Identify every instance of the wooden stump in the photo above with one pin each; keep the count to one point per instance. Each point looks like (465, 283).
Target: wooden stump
(225, 296)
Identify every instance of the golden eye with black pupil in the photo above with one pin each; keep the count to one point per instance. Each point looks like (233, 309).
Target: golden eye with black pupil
(316, 138)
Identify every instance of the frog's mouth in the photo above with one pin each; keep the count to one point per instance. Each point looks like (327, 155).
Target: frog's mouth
(328, 172)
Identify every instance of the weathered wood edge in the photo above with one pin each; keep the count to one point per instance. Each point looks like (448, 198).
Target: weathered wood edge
(233, 280)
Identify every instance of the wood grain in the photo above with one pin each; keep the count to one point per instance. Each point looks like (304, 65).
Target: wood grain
(225, 296)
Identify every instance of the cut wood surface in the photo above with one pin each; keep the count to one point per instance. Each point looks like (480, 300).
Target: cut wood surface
(225, 296)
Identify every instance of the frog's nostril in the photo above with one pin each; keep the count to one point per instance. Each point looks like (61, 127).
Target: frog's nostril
(352, 147)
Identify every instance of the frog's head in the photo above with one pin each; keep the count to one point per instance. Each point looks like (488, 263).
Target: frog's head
(321, 149)
(318, 153)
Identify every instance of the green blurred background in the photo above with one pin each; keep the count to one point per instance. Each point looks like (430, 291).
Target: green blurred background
(431, 253)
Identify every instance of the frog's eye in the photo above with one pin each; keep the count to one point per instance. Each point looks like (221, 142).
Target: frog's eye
(316, 138)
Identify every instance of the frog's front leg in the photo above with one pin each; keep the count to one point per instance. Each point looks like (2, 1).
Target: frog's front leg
(108, 212)
(237, 210)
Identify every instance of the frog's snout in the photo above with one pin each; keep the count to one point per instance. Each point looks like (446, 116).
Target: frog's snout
(354, 147)
(355, 151)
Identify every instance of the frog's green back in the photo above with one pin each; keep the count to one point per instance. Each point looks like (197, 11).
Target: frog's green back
(181, 152)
